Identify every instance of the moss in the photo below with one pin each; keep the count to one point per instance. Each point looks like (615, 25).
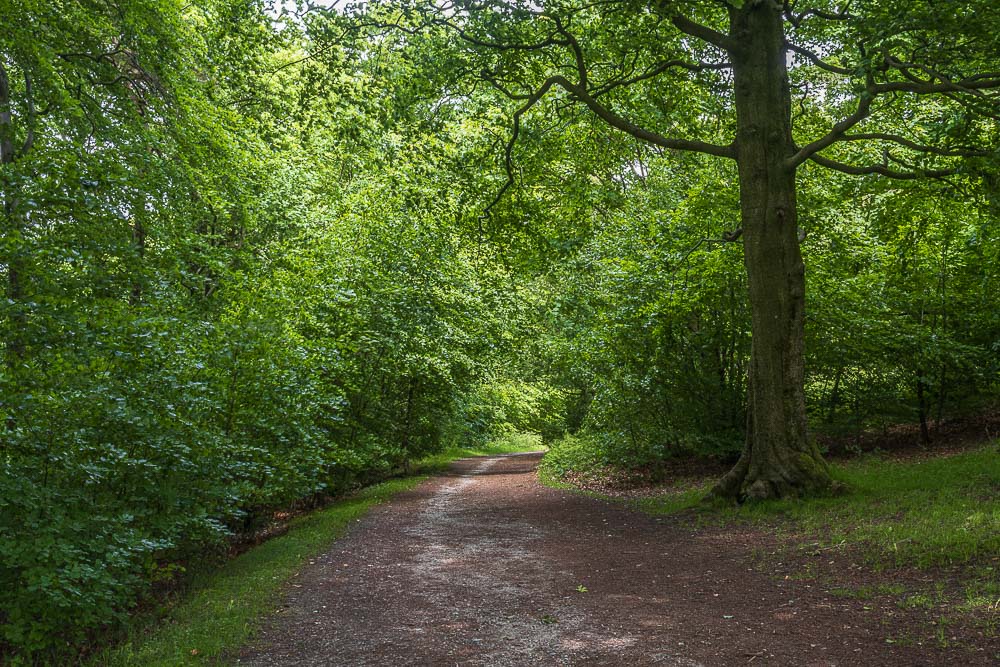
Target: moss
(814, 473)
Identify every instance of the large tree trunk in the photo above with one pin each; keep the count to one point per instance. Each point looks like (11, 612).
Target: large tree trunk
(778, 459)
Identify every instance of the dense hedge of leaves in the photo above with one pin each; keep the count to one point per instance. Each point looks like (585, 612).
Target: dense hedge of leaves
(151, 437)
(221, 298)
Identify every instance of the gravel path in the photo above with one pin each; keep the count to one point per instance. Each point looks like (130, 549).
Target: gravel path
(482, 567)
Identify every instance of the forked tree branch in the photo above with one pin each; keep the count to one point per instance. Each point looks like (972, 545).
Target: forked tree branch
(797, 19)
(880, 169)
(628, 127)
(605, 114)
(862, 112)
(508, 151)
(582, 93)
(937, 84)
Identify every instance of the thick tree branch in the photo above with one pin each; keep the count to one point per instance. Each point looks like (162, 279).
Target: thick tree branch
(108, 57)
(702, 32)
(602, 112)
(804, 153)
(583, 72)
(797, 19)
(934, 75)
(574, 45)
(817, 61)
(938, 83)
(976, 83)
(581, 91)
(628, 127)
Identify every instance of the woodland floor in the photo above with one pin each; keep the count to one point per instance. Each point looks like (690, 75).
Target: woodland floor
(486, 566)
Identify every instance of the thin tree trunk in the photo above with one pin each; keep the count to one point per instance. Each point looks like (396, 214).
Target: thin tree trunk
(139, 245)
(943, 376)
(778, 458)
(925, 433)
(13, 231)
(942, 396)
(834, 396)
(408, 416)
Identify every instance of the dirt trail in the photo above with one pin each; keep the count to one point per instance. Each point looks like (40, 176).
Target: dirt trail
(481, 567)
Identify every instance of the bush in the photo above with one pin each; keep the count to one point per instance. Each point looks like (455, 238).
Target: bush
(582, 452)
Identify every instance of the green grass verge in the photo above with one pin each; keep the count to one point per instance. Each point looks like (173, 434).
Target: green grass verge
(219, 609)
(941, 511)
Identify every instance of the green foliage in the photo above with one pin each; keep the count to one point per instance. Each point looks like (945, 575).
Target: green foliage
(250, 260)
(648, 331)
(504, 408)
(581, 452)
(904, 318)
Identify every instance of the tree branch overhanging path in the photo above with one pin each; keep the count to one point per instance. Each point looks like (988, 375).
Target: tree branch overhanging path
(874, 66)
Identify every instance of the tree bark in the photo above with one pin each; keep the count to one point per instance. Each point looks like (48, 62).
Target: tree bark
(778, 459)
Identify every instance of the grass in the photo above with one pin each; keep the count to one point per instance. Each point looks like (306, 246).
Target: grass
(674, 502)
(867, 592)
(943, 511)
(219, 610)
